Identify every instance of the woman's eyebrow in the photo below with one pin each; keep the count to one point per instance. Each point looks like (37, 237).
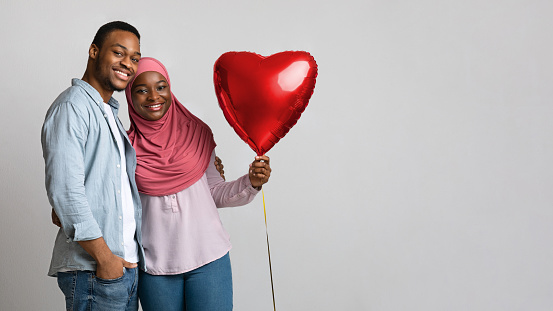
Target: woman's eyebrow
(144, 84)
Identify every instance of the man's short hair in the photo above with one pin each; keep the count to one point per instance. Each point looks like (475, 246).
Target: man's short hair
(106, 29)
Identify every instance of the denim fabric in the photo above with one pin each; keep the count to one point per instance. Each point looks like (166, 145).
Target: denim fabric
(85, 292)
(207, 288)
(83, 176)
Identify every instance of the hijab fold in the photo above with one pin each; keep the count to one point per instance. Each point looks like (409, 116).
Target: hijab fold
(173, 152)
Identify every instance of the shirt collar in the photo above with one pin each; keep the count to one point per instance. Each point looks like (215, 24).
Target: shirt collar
(94, 94)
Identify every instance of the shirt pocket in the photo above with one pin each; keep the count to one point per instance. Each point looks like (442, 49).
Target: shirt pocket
(170, 204)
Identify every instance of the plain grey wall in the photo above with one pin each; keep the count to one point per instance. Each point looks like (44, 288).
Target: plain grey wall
(418, 178)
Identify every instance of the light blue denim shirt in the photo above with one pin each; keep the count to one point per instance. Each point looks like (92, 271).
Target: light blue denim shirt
(83, 176)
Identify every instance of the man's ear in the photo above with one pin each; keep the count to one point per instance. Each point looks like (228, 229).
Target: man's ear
(93, 51)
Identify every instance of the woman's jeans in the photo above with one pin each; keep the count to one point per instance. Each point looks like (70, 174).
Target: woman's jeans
(84, 291)
(207, 288)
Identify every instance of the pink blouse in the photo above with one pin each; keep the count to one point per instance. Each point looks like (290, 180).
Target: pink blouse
(183, 231)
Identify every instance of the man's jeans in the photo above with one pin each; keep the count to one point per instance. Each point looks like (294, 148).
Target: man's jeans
(84, 291)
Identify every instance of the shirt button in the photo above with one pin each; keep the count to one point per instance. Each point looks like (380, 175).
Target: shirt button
(174, 196)
(118, 191)
(105, 115)
(122, 243)
(120, 217)
(118, 165)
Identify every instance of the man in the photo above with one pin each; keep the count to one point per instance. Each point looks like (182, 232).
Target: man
(90, 167)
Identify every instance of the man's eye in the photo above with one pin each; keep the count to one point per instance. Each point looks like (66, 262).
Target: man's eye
(135, 60)
(118, 53)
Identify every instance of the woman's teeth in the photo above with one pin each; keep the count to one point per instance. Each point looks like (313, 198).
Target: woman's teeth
(154, 106)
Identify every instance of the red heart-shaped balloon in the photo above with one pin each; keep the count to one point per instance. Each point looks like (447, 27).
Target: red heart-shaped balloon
(263, 97)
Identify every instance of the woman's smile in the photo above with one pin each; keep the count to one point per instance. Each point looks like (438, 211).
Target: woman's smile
(154, 107)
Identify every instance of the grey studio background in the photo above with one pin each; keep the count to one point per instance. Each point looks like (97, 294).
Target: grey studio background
(418, 178)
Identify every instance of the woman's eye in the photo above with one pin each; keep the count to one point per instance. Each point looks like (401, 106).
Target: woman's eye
(161, 88)
(141, 91)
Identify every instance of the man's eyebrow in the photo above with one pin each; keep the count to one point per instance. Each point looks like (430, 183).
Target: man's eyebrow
(121, 46)
(125, 48)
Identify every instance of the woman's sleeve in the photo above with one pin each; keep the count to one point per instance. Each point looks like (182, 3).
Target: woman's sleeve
(228, 194)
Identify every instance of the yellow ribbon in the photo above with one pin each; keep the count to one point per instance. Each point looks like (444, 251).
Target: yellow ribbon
(268, 249)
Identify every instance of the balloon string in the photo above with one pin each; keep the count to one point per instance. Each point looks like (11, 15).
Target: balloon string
(268, 249)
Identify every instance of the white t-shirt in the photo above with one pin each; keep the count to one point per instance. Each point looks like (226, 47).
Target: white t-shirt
(129, 224)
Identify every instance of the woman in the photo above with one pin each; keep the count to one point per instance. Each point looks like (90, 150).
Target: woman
(186, 246)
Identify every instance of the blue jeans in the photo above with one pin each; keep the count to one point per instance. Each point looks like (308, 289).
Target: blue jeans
(207, 288)
(84, 291)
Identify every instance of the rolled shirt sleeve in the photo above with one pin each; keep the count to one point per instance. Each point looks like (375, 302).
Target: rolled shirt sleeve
(64, 137)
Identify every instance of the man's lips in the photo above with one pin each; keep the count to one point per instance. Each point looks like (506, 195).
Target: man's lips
(122, 74)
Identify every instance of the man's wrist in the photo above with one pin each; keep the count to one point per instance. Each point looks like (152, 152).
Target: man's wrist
(98, 249)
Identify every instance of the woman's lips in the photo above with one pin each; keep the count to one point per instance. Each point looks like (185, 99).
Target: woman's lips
(154, 107)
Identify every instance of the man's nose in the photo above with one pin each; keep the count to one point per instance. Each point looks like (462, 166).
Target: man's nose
(127, 62)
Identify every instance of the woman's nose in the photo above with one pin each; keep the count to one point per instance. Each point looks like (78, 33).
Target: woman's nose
(154, 95)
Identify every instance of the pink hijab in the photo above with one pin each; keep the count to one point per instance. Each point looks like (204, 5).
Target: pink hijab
(173, 152)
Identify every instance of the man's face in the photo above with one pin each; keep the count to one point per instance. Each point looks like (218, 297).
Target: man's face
(117, 60)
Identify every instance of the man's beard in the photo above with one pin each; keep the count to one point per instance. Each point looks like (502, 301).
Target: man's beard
(112, 87)
(107, 82)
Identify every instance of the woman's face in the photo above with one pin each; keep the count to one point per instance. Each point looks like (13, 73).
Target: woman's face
(151, 95)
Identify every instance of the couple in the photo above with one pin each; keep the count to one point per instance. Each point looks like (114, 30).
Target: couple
(137, 206)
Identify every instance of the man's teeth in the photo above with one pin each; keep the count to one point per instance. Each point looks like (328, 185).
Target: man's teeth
(121, 73)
